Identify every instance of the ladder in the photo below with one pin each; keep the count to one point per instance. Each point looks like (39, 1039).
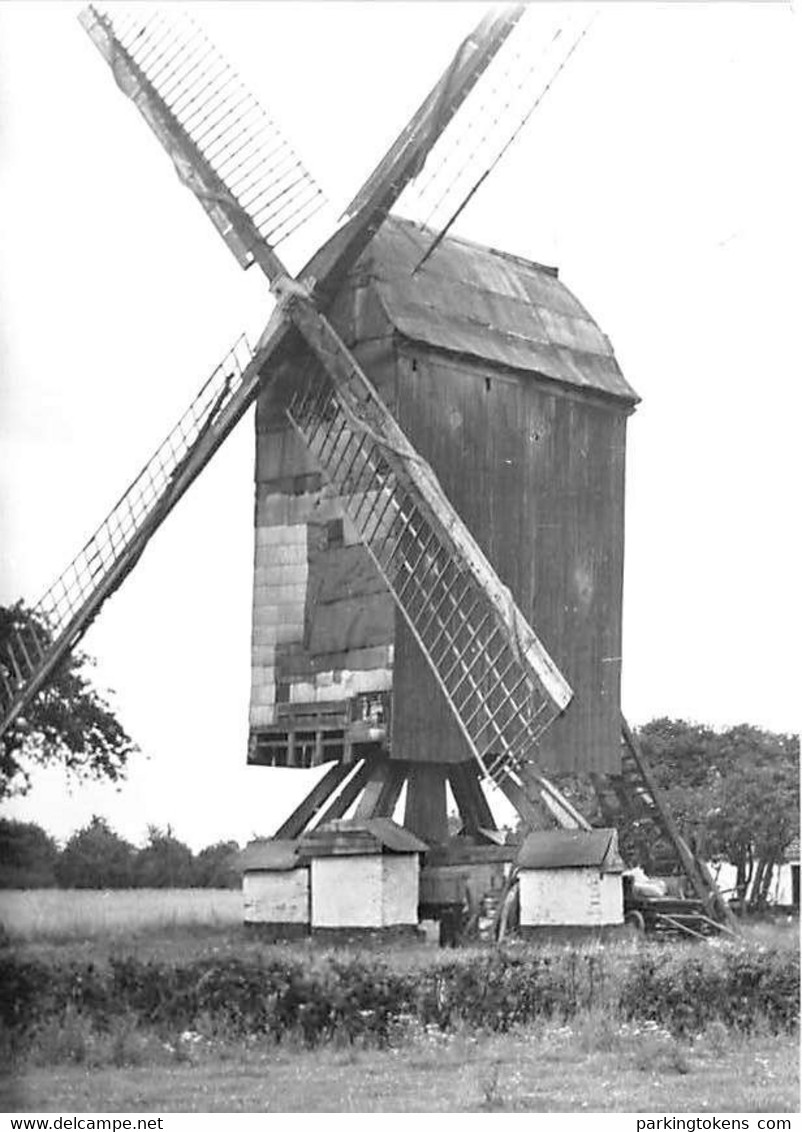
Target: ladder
(634, 795)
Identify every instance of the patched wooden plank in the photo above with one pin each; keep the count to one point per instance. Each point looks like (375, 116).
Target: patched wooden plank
(345, 572)
(278, 595)
(276, 574)
(262, 672)
(354, 623)
(300, 663)
(313, 508)
(280, 453)
(261, 715)
(263, 655)
(273, 510)
(290, 535)
(263, 694)
(289, 632)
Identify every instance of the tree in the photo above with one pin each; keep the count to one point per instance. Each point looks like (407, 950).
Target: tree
(96, 857)
(68, 722)
(165, 862)
(27, 856)
(734, 794)
(216, 866)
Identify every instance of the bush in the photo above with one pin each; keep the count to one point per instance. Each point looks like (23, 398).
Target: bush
(360, 997)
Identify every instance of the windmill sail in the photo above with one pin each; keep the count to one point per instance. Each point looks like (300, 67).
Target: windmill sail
(226, 148)
(64, 613)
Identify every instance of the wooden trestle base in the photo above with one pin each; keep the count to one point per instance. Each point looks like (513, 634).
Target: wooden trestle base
(372, 784)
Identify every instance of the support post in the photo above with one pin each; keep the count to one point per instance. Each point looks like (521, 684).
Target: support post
(300, 818)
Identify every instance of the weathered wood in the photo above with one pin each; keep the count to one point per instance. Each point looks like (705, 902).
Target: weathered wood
(425, 812)
(375, 786)
(391, 791)
(470, 799)
(551, 523)
(540, 789)
(300, 818)
(348, 795)
(534, 816)
(408, 153)
(354, 387)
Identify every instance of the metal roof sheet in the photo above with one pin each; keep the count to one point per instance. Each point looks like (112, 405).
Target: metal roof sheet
(488, 304)
(571, 849)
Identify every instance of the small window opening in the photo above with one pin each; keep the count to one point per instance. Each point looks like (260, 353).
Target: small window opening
(487, 384)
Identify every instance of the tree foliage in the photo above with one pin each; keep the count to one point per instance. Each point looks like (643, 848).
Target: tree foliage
(733, 793)
(28, 855)
(96, 857)
(68, 722)
(216, 866)
(165, 862)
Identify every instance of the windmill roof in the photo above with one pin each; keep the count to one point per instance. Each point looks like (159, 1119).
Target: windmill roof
(571, 849)
(478, 301)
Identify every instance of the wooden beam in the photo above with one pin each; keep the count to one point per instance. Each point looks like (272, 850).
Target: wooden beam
(425, 812)
(300, 818)
(391, 790)
(539, 789)
(529, 811)
(406, 156)
(348, 795)
(471, 802)
(368, 803)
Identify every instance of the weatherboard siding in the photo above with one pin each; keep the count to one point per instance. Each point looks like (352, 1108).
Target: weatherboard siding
(538, 478)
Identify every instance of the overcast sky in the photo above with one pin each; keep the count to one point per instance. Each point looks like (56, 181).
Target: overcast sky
(659, 174)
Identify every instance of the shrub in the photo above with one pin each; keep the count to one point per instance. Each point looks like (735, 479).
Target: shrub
(360, 997)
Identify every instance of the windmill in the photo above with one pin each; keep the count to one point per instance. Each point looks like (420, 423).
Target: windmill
(371, 494)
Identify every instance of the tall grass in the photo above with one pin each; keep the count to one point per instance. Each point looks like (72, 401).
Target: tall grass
(51, 913)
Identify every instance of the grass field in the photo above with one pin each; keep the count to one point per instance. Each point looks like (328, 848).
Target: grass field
(594, 1062)
(80, 914)
(594, 1065)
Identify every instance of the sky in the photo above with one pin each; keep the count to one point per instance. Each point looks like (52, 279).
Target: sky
(659, 174)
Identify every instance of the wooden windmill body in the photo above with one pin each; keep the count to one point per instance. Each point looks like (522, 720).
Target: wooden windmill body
(439, 484)
(507, 387)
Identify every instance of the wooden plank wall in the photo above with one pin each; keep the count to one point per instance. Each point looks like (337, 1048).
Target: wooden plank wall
(538, 475)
